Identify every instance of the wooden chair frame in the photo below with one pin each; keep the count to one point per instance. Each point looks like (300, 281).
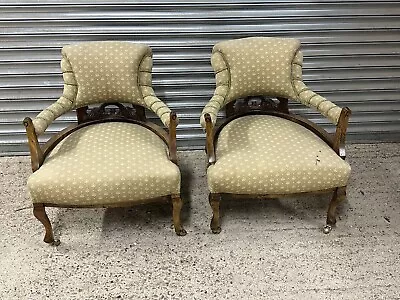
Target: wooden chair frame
(263, 106)
(86, 117)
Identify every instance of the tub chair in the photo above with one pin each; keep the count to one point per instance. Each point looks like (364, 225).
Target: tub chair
(113, 156)
(261, 149)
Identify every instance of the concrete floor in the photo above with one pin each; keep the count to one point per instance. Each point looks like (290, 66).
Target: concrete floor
(268, 249)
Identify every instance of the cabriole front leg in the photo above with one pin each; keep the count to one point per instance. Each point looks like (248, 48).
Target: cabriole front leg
(338, 196)
(214, 200)
(176, 214)
(40, 213)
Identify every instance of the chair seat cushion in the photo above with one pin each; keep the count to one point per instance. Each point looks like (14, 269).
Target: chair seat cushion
(106, 163)
(262, 154)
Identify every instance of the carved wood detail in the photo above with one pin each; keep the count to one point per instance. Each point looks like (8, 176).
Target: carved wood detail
(256, 103)
(118, 111)
(81, 114)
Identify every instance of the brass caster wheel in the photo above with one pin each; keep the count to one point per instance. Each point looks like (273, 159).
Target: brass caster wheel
(327, 229)
(181, 232)
(55, 243)
(216, 230)
(52, 242)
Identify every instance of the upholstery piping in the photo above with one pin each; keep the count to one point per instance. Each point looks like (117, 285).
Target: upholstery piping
(138, 72)
(228, 68)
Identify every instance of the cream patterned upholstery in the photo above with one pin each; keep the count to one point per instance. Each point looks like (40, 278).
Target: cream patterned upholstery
(106, 163)
(262, 154)
(262, 66)
(98, 72)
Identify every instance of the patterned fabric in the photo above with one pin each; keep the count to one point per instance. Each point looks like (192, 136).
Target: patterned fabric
(263, 154)
(262, 66)
(310, 98)
(105, 71)
(103, 164)
(99, 72)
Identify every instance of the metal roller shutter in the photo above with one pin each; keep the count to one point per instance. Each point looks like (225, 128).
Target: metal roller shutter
(351, 51)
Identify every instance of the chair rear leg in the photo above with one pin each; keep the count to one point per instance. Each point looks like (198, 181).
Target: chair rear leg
(338, 196)
(214, 200)
(40, 213)
(176, 214)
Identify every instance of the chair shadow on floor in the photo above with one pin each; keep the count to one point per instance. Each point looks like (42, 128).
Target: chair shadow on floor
(152, 216)
(306, 211)
(146, 217)
(303, 211)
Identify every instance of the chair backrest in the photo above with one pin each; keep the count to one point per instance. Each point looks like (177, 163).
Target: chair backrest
(256, 66)
(104, 72)
(101, 72)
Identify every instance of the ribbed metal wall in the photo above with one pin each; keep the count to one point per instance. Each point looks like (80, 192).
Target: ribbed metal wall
(351, 51)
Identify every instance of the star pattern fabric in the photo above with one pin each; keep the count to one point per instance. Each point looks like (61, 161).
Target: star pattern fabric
(106, 163)
(259, 66)
(262, 66)
(262, 154)
(101, 72)
(106, 71)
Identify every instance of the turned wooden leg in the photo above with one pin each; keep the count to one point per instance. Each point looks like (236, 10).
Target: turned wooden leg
(338, 196)
(176, 214)
(40, 213)
(214, 200)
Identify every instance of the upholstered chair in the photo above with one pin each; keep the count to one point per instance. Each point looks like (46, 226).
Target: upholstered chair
(261, 149)
(113, 156)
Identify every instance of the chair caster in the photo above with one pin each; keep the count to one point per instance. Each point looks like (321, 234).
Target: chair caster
(56, 243)
(216, 230)
(52, 242)
(181, 232)
(327, 229)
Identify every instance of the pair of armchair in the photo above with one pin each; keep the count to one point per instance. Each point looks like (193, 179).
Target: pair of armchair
(115, 157)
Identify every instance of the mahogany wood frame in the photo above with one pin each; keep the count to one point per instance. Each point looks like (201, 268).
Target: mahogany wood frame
(263, 106)
(135, 115)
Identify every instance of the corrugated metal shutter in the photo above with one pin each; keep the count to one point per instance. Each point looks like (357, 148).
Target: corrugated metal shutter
(351, 51)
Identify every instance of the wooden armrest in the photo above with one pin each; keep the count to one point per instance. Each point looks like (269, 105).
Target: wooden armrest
(340, 134)
(211, 159)
(172, 138)
(37, 157)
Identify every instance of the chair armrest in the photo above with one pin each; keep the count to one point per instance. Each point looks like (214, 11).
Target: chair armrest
(212, 108)
(173, 123)
(63, 105)
(311, 99)
(337, 115)
(49, 114)
(210, 150)
(37, 157)
(160, 109)
(340, 134)
(156, 105)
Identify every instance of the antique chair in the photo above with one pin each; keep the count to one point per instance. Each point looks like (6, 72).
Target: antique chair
(113, 156)
(261, 149)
